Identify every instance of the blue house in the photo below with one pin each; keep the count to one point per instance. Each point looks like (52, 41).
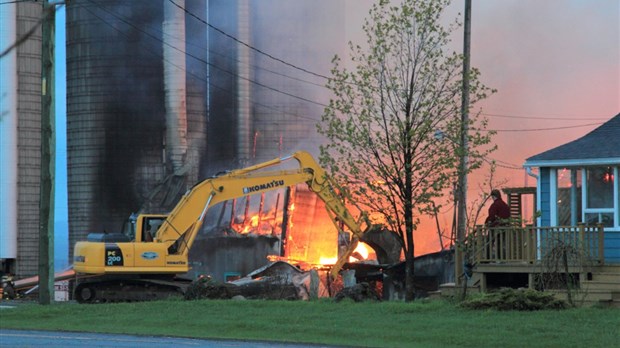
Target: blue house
(573, 249)
(578, 184)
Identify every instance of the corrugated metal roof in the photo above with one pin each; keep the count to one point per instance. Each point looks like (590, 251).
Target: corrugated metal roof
(602, 145)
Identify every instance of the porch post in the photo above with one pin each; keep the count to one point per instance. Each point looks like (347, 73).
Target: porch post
(585, 250)
(531, 243)
(601, 244)
(479, 246)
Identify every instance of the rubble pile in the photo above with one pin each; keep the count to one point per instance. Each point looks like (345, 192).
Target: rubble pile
(209, 288)
(277, 281)
(359, 292)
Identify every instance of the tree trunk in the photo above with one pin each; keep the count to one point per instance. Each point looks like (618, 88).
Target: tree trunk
(409, 261)
(409, 286)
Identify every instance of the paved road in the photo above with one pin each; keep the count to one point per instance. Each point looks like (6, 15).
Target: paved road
(53, 339)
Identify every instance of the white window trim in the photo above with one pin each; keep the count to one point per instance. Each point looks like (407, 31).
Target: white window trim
(539, 200)
(617, 197)
(615, 209)
(584, 193)
(553, 196)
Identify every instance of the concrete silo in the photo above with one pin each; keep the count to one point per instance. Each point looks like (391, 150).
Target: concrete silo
(20, 140)
(123, 153)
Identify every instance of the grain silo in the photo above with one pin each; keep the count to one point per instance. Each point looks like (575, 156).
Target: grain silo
(123, 153)
(20, 140)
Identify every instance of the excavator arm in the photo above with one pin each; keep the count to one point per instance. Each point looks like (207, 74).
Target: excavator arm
(183, 223)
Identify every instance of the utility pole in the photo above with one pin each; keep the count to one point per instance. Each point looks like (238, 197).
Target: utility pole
(46, 205)
(464, 145)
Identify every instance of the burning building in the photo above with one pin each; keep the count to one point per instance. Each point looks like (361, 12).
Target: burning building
(163, 94)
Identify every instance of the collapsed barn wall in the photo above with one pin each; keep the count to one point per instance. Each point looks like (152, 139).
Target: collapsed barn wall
(226, 258)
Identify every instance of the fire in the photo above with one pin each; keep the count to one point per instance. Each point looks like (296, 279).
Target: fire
(328, 260)
(361, 250)
(308, 233)
(360, 253)
(251, 226)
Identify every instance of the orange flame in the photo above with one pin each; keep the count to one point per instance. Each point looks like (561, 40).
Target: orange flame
(361, 250)
(311, 237)
(360, 253)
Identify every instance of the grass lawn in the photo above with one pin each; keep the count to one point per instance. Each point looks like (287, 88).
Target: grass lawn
(369, 324)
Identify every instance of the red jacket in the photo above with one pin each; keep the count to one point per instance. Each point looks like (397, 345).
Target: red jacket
(498, 211)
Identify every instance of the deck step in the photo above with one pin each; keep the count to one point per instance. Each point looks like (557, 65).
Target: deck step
(589, 296)
(601, 303)
(606, 276)
(450, 290)
(611, 269)
(600, 285)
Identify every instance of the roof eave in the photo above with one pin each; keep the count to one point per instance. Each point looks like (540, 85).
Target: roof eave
(573, 162)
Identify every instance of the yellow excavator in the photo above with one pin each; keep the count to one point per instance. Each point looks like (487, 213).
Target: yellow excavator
(142, 262)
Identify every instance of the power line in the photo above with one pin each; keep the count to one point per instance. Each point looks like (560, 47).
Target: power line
(545, 117)
(253, 66)
(32, 30)
(506, 163)
(539, 129)
(25, 37)
(248, 45)
(204, 61)
(501, 164)
(264, 53)
(16, 1)
(296, 67)
(199, 59)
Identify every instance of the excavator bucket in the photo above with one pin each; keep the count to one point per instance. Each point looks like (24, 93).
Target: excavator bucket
(386, 243)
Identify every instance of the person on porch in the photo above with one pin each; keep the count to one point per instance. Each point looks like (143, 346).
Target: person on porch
(499, 215)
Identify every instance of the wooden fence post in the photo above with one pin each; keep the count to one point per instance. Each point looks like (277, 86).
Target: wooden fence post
(601, 244)
(479, 245)
(582, 240)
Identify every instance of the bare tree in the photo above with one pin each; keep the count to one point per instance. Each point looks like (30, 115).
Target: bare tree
(382, 122)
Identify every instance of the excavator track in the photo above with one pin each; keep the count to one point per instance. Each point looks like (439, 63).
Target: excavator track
(128, 290)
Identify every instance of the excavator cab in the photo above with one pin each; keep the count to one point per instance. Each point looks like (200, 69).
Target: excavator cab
(143, 227)
(129, 226)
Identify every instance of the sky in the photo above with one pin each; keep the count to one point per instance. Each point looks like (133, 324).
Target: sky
(555, 65)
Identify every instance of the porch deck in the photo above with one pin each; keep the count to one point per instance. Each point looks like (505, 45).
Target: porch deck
(531, 256)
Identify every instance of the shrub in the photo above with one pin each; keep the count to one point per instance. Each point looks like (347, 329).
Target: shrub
(514, 299)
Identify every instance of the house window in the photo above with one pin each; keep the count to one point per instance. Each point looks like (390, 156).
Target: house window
(568, 196)
(599, 195)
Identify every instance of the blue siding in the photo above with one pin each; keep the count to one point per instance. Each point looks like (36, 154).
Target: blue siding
(612, 238)
(612, 247)
(545, 197)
